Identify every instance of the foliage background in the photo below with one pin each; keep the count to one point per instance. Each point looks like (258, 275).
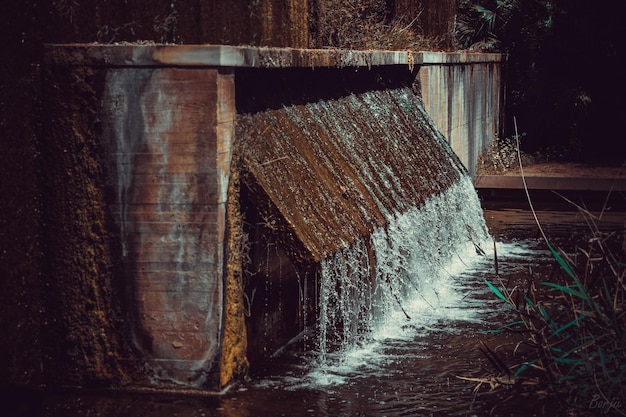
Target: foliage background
(562, 61)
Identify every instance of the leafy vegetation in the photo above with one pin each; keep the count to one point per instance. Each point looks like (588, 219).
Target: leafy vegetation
(546, 90)
(571, 326)
(482, 26)
(500, 157)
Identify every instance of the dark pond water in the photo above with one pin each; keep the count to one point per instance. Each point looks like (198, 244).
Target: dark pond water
(411, 369)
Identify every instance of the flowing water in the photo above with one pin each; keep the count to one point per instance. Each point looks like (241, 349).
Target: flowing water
(408, 283)
(405, 362)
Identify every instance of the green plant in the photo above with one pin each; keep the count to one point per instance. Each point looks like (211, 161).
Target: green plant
(480, 26)
(499, 157)
(572, 325)
(504, 154)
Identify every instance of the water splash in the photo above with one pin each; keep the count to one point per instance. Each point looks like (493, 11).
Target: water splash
(372, 193)
(399, 277)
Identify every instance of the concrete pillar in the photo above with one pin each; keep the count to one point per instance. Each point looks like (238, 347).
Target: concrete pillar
(167, 136)
(464, 97)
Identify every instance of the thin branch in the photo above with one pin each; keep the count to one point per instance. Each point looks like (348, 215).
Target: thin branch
(521, 170)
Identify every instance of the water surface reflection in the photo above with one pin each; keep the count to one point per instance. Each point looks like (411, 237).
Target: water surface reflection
(411, 373)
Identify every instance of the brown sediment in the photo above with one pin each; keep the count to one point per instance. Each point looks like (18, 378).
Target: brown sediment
(234, 362)
(337, 166)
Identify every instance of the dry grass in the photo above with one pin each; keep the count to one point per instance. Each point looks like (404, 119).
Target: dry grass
(366, 24)
(571, 327)
(502, 156)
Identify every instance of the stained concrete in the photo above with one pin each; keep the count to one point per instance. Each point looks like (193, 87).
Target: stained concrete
(142, 216)
(464, 95)
(462, 91)
(251, 57)
(164, 153)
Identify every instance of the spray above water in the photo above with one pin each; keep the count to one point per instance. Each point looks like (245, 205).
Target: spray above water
(400, 277)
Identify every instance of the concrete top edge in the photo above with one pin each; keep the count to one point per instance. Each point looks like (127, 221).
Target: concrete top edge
(247, 56)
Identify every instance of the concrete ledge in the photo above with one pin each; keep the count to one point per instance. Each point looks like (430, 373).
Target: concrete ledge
(456, 58)
(551, 183)
(130, 54)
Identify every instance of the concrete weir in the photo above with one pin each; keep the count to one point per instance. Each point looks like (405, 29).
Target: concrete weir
(192, 191)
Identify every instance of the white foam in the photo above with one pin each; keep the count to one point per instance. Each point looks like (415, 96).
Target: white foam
(410, 287)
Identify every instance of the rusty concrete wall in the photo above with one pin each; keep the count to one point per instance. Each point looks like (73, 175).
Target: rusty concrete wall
(83, 329)
(137, 169)
(466, 101)
(167, 133)
(145, 223)
(463, 92)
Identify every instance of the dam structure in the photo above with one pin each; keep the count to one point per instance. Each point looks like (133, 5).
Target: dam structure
(206, 204)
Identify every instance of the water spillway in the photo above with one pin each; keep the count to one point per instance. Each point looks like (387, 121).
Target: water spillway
(331, 173)
(199, 198)
(338, 167)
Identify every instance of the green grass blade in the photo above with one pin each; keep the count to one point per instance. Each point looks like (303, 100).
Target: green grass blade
(506, 327)
(514, 323)
(567, 289)
(496, 291)
(524, 367)
(568, 361)
(571, 323)
(564, 264)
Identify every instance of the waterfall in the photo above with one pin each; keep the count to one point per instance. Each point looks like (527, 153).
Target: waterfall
(408, 274)
(363, 185)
